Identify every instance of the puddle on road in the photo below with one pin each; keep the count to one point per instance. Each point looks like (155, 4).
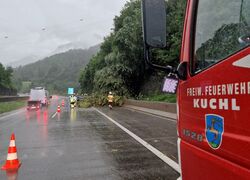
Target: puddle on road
(86, 143)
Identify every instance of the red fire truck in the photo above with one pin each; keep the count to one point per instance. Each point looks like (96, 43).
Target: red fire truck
(214, 85)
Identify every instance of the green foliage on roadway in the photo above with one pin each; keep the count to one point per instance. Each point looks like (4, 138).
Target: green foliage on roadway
(119, 65)
(12, 105)
(99, 100)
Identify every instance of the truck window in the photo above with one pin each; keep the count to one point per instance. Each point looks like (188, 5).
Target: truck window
(222, 29)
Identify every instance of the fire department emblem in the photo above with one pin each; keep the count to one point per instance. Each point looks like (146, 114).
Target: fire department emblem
(214, 130)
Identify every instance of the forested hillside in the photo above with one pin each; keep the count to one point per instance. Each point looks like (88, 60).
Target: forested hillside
(57, 72)
(6, 85)
(119, 65)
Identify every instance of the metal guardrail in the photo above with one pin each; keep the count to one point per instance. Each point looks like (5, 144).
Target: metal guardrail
(161, 106)
(13, 98)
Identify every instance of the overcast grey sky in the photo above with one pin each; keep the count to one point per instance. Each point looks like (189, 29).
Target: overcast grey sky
(39, 27)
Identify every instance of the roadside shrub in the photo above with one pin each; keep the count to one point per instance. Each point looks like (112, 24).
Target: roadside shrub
(170, 98)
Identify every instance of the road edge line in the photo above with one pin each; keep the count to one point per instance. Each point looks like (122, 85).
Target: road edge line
(155, 151)
(54, 115)
(11, 113)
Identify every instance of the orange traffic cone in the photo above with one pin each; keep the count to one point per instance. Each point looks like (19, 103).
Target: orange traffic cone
(62, 103)
(58, 109)
(12, 161)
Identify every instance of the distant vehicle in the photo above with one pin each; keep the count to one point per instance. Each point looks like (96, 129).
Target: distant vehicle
(33, 105)
(39, 97)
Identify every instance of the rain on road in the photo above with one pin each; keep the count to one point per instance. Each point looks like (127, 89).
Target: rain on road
(83, 144)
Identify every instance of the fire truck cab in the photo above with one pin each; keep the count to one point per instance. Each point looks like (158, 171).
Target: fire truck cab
(214, 85)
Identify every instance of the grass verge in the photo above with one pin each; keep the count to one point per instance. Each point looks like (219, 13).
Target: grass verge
(10, 106)
(170, 98)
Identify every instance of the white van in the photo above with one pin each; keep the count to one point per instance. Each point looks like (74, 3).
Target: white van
(39, 94)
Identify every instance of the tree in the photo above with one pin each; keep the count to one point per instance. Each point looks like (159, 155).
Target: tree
(119, 65)
(6, 85)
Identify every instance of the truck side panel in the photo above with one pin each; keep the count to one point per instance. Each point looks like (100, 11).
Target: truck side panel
(213, 118)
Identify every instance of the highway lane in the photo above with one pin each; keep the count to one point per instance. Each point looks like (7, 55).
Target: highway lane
(160, 132)
(83, 144)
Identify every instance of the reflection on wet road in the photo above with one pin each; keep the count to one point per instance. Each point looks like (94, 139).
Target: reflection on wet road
(82, 144)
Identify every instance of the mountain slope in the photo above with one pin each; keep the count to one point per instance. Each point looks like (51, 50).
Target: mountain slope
(23, 61)
(57, 72)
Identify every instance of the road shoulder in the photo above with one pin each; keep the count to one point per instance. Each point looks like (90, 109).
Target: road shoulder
(142, 139)
(172, 116)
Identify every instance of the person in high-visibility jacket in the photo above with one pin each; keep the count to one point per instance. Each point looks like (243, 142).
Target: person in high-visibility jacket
(73, 100)
(110, 99)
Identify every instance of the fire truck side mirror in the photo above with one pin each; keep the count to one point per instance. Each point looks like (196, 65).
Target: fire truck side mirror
(154, 23)
(182, 71)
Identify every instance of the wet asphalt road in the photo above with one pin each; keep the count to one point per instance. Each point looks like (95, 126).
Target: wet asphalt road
(83, 144)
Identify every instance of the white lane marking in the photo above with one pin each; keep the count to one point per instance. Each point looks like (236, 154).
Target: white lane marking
(244, 62)
(8, 115)
(155, 151)
(54, 115)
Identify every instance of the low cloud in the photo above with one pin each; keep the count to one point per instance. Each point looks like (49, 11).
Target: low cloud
(39, 27)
